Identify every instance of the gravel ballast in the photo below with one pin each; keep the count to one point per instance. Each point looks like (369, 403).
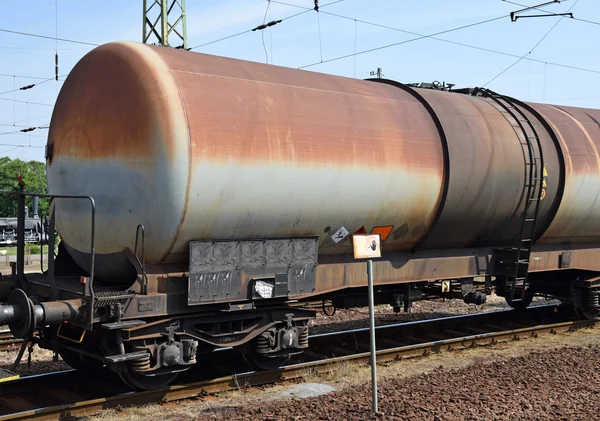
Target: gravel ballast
(559, 384)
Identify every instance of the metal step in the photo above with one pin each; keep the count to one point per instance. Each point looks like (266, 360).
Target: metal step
(132, 356)
(123, 325)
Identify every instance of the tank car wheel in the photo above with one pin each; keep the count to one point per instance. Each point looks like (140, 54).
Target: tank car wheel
(522, 304)
(262, 362)
(586, 313)
(142, 382)
(582, 308)
(80, 362)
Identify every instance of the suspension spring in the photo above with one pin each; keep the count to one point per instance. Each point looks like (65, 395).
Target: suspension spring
(303, 339)
(593, 299)
(262, 344)
(141, 364)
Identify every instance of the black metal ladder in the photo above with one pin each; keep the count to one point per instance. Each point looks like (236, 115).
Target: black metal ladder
(514, 262)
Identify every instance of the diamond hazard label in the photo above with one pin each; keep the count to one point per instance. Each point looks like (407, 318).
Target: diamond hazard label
(340, 234)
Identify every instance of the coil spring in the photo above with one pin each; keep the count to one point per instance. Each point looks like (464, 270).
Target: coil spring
(593, 299)
(262, 344)
(141, 364)
(303, 339)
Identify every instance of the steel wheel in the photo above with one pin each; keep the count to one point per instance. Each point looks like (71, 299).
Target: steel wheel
(522, 304)
(80, 362)
(142, 382)
(262, 362)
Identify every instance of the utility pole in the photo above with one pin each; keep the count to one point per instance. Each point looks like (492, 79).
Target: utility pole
(163, 18)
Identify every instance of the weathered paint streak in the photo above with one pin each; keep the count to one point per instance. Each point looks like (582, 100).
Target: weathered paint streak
(578, 132)
(486, 181)
(270, 152)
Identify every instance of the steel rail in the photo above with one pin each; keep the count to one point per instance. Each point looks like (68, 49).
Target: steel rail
(291, 372)
(8, 341)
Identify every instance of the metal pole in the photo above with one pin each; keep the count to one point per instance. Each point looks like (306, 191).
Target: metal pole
(372, 335)
(21, 235)
(184, 24)
(164, 23)
(144, 19)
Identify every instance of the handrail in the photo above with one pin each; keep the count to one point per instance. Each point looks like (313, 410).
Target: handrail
(142, 264)
(89, 290)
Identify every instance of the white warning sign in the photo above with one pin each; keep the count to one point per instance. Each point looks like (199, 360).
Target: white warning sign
(340, 234)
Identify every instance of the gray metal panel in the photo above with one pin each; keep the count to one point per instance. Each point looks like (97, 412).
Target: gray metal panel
(224, 270)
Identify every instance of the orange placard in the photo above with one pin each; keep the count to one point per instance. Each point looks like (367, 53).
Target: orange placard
(383, 231)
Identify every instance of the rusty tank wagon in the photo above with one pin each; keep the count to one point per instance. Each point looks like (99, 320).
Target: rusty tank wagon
(204, 202)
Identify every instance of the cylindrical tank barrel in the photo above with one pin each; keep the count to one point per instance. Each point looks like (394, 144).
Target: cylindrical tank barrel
(196, 147)
(202, 147)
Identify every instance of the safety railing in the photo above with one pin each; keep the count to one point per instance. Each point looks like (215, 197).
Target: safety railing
(142, 263)
(19, 268)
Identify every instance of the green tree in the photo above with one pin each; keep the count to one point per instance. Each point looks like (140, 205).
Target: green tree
(34, 177)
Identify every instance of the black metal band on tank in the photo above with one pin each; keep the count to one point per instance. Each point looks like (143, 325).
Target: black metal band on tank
(442, 134)
(561, 160)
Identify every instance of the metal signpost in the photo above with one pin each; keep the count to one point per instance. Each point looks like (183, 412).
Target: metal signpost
(368, 247)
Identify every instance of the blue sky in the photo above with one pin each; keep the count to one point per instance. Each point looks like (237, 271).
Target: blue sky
(308, 39)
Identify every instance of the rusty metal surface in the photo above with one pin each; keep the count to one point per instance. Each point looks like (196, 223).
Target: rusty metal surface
(484, 203)
(118, 133)
(269, 152)
(578, 132)
(299, 152)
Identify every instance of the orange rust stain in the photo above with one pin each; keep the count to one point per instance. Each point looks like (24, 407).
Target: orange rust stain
(579, 132)
(110, 106)
(251, 112)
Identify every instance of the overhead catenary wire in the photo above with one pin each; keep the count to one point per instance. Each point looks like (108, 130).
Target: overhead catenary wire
(27, 102)
(262, 34)
(251, 30)
(447, 41)
(23, 76)
(28, 119)
(29, 34)
(319, 28)
(25, 130)
(370, 50)
(27, 87)
(534, 47)
(22, 146)
(355, 44)
(10, 149)
(551, 13)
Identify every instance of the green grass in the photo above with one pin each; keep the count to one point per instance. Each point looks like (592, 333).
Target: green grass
(12, 251)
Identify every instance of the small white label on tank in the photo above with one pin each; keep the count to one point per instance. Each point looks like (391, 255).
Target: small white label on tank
(339, 235)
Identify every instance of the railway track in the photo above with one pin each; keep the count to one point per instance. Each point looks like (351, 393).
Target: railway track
(7, 341)
(70, 394)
